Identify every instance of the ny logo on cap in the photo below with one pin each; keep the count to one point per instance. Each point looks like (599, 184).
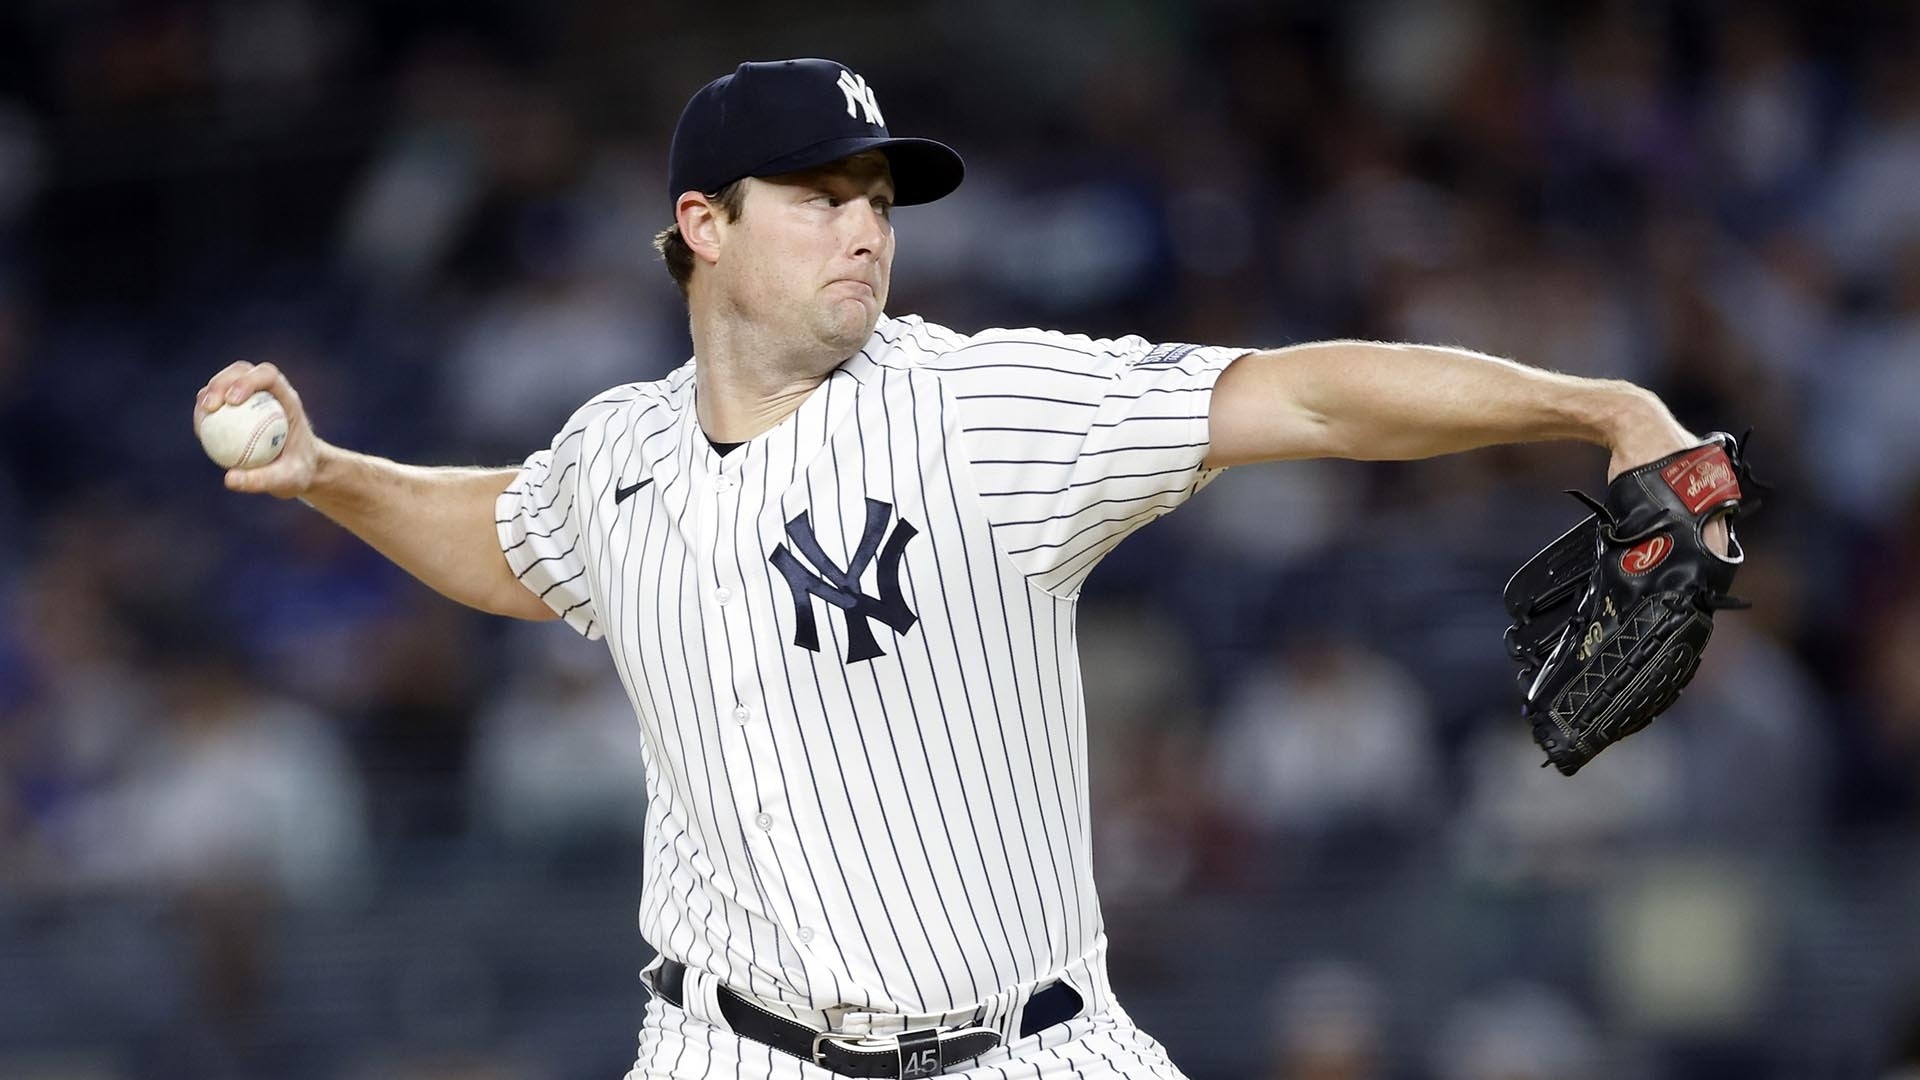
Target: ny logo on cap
(861, 95)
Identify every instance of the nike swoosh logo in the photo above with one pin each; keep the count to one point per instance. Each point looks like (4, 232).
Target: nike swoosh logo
(620, 494)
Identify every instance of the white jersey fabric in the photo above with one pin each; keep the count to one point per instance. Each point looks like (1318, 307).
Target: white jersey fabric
(851, 647)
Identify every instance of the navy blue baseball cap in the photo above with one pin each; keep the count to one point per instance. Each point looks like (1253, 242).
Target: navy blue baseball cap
(782, 116)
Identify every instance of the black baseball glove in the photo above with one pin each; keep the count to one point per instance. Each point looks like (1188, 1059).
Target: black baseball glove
(1609, 621)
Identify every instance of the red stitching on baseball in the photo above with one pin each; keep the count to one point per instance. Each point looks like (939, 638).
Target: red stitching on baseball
(258, 431)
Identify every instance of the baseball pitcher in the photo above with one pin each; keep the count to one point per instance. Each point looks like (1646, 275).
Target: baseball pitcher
(835, 558)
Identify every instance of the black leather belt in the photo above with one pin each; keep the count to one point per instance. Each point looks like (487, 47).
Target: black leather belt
(914, 1053)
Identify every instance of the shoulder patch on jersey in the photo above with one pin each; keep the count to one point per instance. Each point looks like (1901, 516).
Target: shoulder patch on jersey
(1167, 355)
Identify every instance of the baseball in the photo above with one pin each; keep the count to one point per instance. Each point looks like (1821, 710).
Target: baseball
(247, 435)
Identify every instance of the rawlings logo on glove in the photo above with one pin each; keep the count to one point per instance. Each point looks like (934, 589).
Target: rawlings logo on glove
(1644, 556)
(1611, 618)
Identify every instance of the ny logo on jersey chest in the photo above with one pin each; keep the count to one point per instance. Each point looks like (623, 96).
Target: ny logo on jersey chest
(840, 586)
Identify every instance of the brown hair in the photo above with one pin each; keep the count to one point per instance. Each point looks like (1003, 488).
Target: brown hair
(731, 199)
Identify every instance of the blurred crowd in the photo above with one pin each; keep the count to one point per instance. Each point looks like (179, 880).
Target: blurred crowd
(1325, 846)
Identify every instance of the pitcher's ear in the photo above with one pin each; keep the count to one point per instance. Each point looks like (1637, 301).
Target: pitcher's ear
(699, 219)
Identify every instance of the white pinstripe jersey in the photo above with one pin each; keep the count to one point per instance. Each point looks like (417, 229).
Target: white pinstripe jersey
(850, 644)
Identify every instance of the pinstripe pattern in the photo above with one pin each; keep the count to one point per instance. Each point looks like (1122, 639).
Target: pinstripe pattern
(905, 832)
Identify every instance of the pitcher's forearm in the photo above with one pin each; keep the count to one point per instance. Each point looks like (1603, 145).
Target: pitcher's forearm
(1416, 401)
(436, 523)
(1382, 401)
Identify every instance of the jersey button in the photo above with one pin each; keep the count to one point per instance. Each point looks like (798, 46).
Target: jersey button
(741, 715)
(722, 594)
(806, 934)
(765, 821)
(723, 483)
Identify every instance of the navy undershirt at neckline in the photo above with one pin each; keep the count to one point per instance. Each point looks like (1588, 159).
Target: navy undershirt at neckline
(724, 448)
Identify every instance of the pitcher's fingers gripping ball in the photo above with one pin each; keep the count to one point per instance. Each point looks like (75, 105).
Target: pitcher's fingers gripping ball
(247, 435)
(270, 444)
(1611, 619)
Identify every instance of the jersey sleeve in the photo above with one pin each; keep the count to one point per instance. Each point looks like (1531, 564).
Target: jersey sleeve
(540, 521)
(1076, 442)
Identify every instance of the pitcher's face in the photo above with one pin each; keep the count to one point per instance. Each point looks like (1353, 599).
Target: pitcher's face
(811, 254)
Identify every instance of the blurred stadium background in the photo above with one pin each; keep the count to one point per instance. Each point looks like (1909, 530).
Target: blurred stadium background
(270, 809)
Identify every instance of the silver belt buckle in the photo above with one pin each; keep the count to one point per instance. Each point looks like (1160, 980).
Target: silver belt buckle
(825, 1036)
(917, 1053)
(853, 1044)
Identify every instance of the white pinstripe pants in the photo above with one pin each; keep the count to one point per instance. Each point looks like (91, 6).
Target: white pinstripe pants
(676, 1046)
